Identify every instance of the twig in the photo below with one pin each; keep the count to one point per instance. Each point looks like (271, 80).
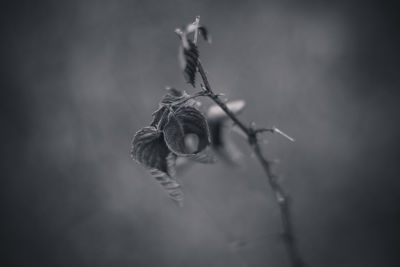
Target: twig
(280, 196)
(219, 102)
(274, 130)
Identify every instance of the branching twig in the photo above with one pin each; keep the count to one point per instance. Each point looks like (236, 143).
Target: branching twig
(280, 196)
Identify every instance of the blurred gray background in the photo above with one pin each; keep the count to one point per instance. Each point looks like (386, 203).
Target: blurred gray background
(79, 78)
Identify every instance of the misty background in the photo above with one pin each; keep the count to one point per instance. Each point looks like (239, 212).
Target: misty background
(79, 78)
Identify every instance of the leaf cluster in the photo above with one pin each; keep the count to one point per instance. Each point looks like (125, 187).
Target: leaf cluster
(179, 129)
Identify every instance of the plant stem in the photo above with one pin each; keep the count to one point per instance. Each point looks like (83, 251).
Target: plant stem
(219, 102)
(280, 196)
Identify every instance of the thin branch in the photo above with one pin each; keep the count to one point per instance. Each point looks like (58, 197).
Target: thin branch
(219, 102)
(280, 196)
(274, 130)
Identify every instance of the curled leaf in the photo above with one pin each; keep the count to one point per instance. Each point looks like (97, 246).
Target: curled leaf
(168, 179)
(149, 149)
(205, 34)
(182, 122)
(188, 59)
(174, 97)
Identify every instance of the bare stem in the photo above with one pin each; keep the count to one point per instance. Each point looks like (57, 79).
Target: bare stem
(280, 196)
(219, 102)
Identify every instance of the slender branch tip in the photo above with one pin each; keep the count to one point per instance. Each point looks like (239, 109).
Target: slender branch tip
(276, 130)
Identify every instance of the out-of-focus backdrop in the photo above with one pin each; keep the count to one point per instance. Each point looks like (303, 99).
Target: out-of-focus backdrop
(79, 78)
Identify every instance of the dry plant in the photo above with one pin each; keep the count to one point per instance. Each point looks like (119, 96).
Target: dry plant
(179, 130)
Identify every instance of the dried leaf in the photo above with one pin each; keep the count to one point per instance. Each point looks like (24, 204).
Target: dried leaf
(176, 97)
(168, 179)
(205, 34)
(184, 121)
(149, 149)
(188, 59)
